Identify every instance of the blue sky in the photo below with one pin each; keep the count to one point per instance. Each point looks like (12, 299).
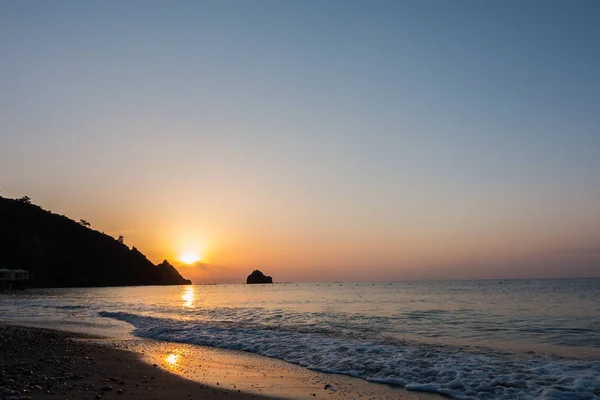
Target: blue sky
(416, 137)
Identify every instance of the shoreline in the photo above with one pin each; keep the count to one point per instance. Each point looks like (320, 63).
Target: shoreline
(41, 363)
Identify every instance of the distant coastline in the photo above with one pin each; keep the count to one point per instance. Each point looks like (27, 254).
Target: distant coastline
(60, 252)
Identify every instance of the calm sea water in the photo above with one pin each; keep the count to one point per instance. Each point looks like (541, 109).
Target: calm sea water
(467, 339)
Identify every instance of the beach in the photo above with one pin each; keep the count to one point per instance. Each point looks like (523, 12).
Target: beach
(45, 364)
(339, 341)
(40, 363)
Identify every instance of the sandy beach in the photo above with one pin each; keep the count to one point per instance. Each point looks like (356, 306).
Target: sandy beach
(46, 364)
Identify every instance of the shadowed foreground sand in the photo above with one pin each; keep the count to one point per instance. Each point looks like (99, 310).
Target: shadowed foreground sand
(45, 364)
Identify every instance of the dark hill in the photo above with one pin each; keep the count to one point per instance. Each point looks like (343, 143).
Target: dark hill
(59, 252)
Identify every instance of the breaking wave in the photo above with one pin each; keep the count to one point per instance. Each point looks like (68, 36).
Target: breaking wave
(459, 372)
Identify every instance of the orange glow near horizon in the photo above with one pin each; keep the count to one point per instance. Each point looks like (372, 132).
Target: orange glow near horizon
(209, 248)
(189, 257)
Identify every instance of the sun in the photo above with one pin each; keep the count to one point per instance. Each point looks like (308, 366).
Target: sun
(189, 257)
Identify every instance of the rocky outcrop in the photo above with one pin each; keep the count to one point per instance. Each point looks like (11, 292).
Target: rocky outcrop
(258, 277)
(59, 252)
(168, 273)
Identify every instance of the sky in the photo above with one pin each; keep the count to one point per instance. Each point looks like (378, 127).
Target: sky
(314, 140)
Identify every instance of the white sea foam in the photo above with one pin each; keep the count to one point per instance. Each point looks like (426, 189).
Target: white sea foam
(446, 370)
(374, 331)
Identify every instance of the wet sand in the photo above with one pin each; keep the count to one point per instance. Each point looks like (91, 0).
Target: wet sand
(44, 364)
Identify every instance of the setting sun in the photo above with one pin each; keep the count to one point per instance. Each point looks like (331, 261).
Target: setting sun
(189, 257)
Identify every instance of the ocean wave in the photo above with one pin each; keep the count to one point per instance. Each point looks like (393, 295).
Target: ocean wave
(441, 369)
(69, 307)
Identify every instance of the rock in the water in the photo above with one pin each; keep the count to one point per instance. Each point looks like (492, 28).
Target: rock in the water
(258, 277)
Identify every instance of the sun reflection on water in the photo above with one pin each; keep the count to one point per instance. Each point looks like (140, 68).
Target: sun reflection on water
(189, 296)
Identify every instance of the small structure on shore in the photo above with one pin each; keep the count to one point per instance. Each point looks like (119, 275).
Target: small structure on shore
(13, 279)
(258, 277)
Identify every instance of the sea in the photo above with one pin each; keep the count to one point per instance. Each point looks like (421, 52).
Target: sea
(487, 339)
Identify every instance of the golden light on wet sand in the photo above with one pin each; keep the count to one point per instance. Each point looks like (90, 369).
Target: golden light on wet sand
(171, 359)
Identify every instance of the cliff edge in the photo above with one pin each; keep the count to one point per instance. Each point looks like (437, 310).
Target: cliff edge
(59, 252)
